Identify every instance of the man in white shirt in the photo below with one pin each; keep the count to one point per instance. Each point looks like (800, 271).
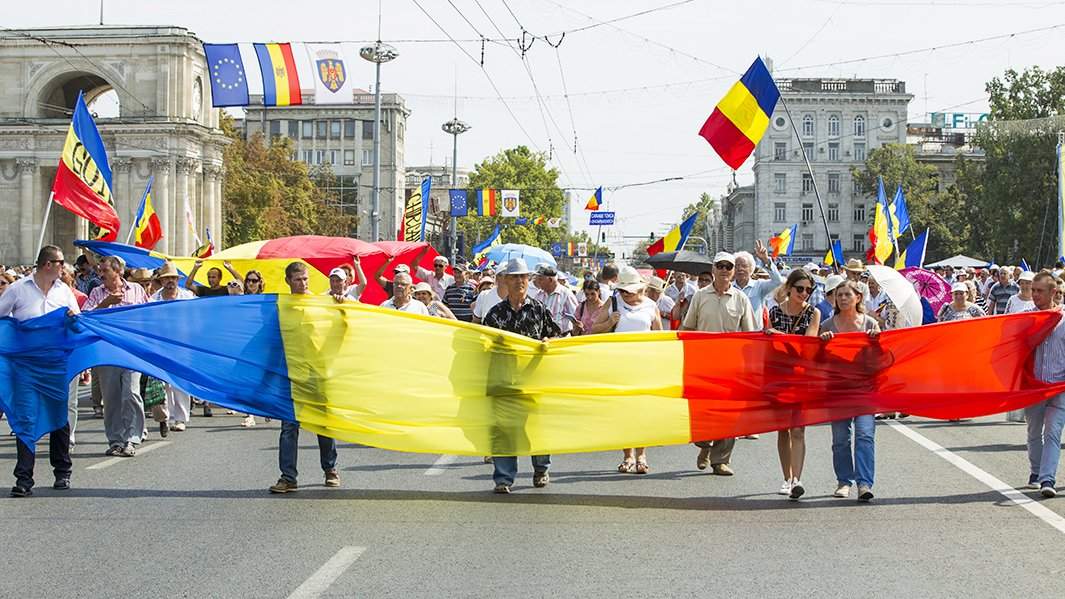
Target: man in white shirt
(487, 299)
(558, 299)
(682, 287)
(437, 278)
(402, 296)
(27, 298)
(655, 290)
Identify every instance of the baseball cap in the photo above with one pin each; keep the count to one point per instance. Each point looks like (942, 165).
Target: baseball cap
(338, 272)
(724, 257)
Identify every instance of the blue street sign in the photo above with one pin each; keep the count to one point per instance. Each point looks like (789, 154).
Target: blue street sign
(602, 218)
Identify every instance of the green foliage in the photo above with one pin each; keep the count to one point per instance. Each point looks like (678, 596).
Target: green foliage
(267, 194)
(704, 207)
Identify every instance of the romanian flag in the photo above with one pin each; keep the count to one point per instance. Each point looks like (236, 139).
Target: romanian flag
(596, 200)
(487, 202)
(881, 243)
(147, 231)
(785, 242)
(206, 249)
(539, 220)
(913, 255)
(281, 82)
(571, 249)
(83, 179)
(332, 368)
(741, 117)
(674, 240)
(834, 254)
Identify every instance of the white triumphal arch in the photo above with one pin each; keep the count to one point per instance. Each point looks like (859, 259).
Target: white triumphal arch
(164, 126)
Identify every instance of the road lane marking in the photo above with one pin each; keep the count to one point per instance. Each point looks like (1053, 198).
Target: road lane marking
(440, 465)
(115, 460)
(328, 573)
(1034, 507)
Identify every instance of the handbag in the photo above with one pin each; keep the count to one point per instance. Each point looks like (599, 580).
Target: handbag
(154, 392)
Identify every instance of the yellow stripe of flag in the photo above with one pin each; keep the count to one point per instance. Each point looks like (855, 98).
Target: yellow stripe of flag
(280, 74)
(743, 110)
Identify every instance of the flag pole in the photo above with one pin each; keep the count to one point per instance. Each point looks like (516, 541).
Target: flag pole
(813, 179)
(44, 225)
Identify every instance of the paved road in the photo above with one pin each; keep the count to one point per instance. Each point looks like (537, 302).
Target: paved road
(190, 517)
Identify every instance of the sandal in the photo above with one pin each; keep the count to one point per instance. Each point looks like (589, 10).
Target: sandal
(627, 466)
(642, 467)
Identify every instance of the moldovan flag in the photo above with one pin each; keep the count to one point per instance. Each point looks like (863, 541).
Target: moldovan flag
(487, 203)
(785, 242)
(741, 117)
(571, 249)
(281, 81)
(83, 179)
(595, 201)
(674, 240)
(147, 231)
(880, 234)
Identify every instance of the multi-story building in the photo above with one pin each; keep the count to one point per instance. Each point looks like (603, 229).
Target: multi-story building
(839, 121)
(941, 148)
(735, 223)
(341, 135)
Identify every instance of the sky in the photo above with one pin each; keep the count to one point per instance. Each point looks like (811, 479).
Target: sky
(639, 88)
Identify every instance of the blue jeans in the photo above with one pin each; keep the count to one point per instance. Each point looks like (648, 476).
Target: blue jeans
(1045, 421)
(506, 467)
(288, 448)
(859, 466)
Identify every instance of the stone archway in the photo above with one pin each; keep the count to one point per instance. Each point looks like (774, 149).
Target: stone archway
(57, 98)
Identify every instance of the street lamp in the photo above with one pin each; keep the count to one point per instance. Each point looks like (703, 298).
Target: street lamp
(377, 54)
(454, 128)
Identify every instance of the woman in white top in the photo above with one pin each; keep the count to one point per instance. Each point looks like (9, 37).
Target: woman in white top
(1022, 302)
(633, 313)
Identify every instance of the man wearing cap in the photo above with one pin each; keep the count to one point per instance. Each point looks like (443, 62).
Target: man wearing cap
(655, 290)
(385, 283)
(437, 278)
(403, 296)
(174, 413)
(854, 269)
(338, 286)
(719, 308)
(26, 298)
(525, 316)
(756, 291)
(558, 299)
(460, 295)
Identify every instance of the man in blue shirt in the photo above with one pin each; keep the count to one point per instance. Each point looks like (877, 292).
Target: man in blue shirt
(756, 291)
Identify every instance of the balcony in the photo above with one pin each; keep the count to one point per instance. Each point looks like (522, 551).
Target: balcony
(843, 86)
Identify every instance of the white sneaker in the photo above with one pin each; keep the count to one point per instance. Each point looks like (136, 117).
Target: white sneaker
(842, 491)
(785, 489)
(248, 421)
(797, 490)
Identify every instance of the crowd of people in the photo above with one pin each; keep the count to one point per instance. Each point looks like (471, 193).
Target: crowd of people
(735, 292)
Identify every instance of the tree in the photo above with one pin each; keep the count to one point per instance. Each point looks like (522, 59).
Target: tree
(941, 212)
(1010, 198)
(522, 169)
(704, 207)
(267, 194)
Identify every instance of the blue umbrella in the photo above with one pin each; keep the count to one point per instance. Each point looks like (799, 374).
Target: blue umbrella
(533, 256)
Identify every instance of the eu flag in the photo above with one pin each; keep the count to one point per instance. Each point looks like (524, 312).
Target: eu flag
(458, 202)
(229, 84)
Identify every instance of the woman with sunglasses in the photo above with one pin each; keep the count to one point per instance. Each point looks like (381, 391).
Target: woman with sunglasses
(253, 285)
(793, 315)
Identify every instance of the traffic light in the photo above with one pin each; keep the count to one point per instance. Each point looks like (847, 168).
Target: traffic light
(651, 237)
(603, 237)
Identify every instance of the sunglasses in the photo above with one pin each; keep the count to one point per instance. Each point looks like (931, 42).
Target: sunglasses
(803, 289)
(723, 265)
(55, 261)
(254, 280)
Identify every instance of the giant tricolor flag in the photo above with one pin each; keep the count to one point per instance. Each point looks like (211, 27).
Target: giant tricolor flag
(147, 230)
(83, 179)
(674, 240)
(785, 242)
(281, 82)
(741, 117)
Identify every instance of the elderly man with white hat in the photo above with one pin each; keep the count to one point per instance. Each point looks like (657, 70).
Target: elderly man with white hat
(719, 308)
(560, 302)
(437, 278)
(403, 296)
(525, 316)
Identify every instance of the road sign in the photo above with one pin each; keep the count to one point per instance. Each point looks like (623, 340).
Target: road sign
(602, 218)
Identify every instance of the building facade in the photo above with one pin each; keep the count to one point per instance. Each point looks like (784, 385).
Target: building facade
(165, 129)
(839, 122)
(340, 136)
(941, 148)
(438, 220)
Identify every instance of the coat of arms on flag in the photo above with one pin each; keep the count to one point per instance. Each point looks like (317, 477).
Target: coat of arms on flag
(511, 203)
(330, 69)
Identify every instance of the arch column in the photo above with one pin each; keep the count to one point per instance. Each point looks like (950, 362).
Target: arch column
(123, 193)
(212, 177)
(27, 168)
(161, 201)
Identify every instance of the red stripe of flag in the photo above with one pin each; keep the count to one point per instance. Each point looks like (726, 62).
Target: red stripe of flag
(293, 77)
(729, 142)
(73, 194)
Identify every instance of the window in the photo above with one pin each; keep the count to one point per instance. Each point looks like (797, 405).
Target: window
(349, 128)
(833, 213)
(319, 156)
(308, 155)
(856, 187)
(808, 147)
(833, 126)
(321, 128)
(367, 129)
(833, 182)
(334, 156)
(308, 129)
(275, 129)
(807, 242)
(859, 151)
(334, 129)
(857, 242)
(808, 125)
(859, 126)
(859, 213)
(807, 183)
(780, 183)
(780, 212)
(293, 129)
(367, 157)
(349, 157)
(807, 213)
(833, 152)
(780, 150)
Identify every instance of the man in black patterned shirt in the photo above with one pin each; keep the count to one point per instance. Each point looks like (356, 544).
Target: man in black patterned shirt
(525, 316)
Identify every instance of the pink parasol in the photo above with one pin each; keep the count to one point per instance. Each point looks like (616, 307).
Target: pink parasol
(929, 285)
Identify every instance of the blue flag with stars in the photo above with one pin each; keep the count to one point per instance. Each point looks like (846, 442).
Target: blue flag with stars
(229, 83)
(459, 206)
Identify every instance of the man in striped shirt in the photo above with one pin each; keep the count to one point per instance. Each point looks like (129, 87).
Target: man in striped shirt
(1046, 418)
(460, 295)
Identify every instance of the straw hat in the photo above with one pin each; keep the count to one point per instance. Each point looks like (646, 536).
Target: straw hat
(629, 280)
(140, 275)
(854, 265)
(167, 270)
